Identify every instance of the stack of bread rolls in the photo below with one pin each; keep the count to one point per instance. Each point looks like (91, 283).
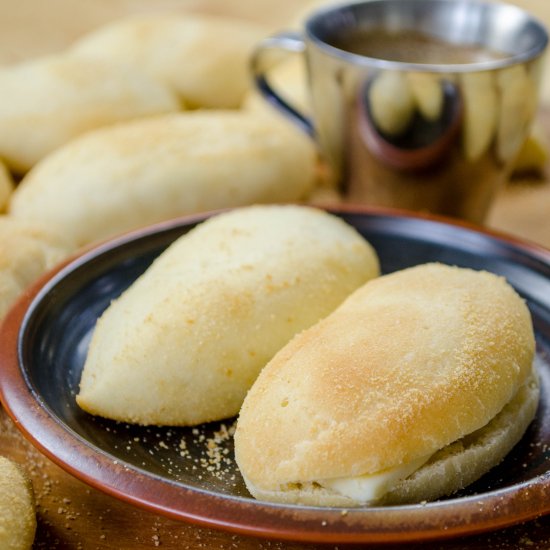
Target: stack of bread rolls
(141, 120)
(137, 122)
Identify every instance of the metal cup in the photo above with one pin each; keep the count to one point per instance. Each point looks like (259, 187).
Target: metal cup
(405, 129)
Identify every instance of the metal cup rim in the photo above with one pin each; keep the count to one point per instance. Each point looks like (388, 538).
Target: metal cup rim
(529, 54)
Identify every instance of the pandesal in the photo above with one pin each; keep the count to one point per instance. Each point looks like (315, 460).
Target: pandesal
(46, 102)
(186, 341)
(122, 177)
(418, 384)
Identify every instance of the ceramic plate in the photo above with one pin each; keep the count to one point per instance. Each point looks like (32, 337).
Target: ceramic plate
(189, 473)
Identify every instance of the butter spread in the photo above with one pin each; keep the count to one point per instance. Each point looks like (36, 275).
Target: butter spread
(371, 487)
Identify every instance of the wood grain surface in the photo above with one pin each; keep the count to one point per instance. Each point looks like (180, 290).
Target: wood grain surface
(74, 516)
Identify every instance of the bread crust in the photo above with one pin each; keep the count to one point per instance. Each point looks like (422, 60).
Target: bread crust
(408, 364)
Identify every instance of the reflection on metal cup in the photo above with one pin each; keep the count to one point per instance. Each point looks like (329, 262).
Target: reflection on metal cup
(417, 104)
(418, 141)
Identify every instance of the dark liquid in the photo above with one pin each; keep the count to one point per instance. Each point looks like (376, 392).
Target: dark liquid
(412, 47)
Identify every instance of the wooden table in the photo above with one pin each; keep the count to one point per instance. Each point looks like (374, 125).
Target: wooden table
(74, 516)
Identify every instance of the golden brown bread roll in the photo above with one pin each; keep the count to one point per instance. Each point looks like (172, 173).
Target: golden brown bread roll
(17, 508)
(409, 365)
(46, 102)
(126, 176)
(203, 58)
(185, 342)
(27, 250)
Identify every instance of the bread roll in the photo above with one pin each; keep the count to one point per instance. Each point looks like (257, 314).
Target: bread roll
(17, 508)
(27, 250)
(185, 342)
(46, 102)
(123, 177)
(410, 364)
(203, 58)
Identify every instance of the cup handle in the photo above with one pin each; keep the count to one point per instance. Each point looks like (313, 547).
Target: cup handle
(263, 59)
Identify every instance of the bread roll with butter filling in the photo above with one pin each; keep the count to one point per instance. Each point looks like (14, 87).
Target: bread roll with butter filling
(134, 174)
(414, 387)
(186, 341)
